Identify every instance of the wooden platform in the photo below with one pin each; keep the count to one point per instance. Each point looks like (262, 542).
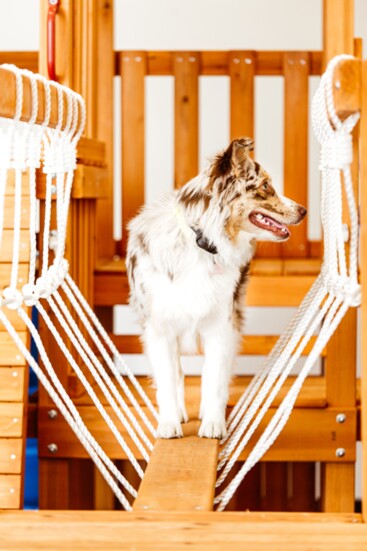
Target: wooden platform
(49, 530)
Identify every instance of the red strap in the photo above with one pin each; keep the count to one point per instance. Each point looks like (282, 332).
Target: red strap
(53, 6)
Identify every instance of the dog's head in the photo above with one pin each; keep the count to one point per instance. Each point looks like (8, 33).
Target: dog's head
(240, 185)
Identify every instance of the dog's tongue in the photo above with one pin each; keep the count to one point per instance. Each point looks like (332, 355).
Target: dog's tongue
(274, 222)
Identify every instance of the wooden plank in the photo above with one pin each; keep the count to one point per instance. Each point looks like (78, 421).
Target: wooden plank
(363, 267)
(296, 71)
(10, 355)
(7, 246)
(9, 212)
(251, 345)
(133, 71)
(337, 487)
(290, 290)
(338, 28)
(89, 183)
(12, 381)
(320, 436)
(105, 246)
(184, 470)
(10, 183)
(200, 531)
(23, 60)
(242, 71)
(215, 63)
(54, 484)
(186, 70)
(113, 288)
(5, 274)
(11, 419)
(11, 455)
(10, 491)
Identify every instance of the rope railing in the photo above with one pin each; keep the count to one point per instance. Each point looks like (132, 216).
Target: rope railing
(32, 145)
(334, 291)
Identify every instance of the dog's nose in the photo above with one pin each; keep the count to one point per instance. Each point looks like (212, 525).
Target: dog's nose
(302, 210)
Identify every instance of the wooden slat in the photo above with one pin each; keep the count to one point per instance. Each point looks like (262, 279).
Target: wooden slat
(251, 345)
(296, 71)
(320, 436)
(6, 253)
(338, 28)
(9, 212)
(11, 460)
(112, 288)
(12, 380)
(133, 71)
(183, 471)
(242, 69)
(291, 290)
(23, 60)
(215, 63)
(11, 419)
(105, 67)
(186, 70)
(5, 274)
(89, 183)
(205, 531)
(10, 491)
(10, 354)
(10, 183)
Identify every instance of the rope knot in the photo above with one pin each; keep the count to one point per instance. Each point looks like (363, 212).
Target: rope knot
(13, 298)
(30, 294)
(337, 152)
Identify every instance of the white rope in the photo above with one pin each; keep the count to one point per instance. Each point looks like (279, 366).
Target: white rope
(334, 291)
(25, 146)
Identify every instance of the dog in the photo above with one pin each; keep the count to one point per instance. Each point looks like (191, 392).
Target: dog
(188, 259)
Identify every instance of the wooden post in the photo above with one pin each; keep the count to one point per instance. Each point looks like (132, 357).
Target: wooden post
(363, 267)
(340, 364)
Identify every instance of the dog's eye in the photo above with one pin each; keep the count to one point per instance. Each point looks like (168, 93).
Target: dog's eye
(265, 187)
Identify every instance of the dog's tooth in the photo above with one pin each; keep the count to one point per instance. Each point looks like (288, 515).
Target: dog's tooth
(259, 216)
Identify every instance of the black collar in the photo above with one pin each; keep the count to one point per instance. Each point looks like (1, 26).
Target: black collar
(203, 242)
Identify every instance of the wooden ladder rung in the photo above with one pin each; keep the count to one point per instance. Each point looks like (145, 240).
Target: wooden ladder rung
(181, 474)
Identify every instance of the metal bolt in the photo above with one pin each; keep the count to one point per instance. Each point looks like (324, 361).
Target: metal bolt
(192, 59)
(340, 452)
(236, 60)
(199, 507)
(138, 58)
(341, 417)
(337, 84)
(13, 456)
(15, 374)
(52, 413)
(302, 61)
(179, 59)
(53, 448)
(12, 490)
(248, 61)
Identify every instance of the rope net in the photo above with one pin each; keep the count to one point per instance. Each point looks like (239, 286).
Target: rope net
(50, 289)
(334, 291)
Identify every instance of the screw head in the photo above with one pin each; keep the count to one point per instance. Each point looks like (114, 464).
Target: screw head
(340, 452)
(52, 413)
(341, 417)
(53, 448)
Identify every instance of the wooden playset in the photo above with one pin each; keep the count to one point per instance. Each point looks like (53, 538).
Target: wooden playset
(174, 505)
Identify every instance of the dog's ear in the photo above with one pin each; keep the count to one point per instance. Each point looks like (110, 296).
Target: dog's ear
(232, 159)
(240, 149)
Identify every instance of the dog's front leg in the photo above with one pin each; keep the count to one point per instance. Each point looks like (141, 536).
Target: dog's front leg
(220, 344)
(162, 353)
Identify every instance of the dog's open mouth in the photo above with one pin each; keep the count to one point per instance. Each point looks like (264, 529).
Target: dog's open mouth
(267, 223)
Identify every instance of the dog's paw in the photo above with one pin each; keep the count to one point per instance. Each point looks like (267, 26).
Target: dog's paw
(213, 429)
(167, 429)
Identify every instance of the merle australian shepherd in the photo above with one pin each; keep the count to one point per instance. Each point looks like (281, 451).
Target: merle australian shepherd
(188, 262)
